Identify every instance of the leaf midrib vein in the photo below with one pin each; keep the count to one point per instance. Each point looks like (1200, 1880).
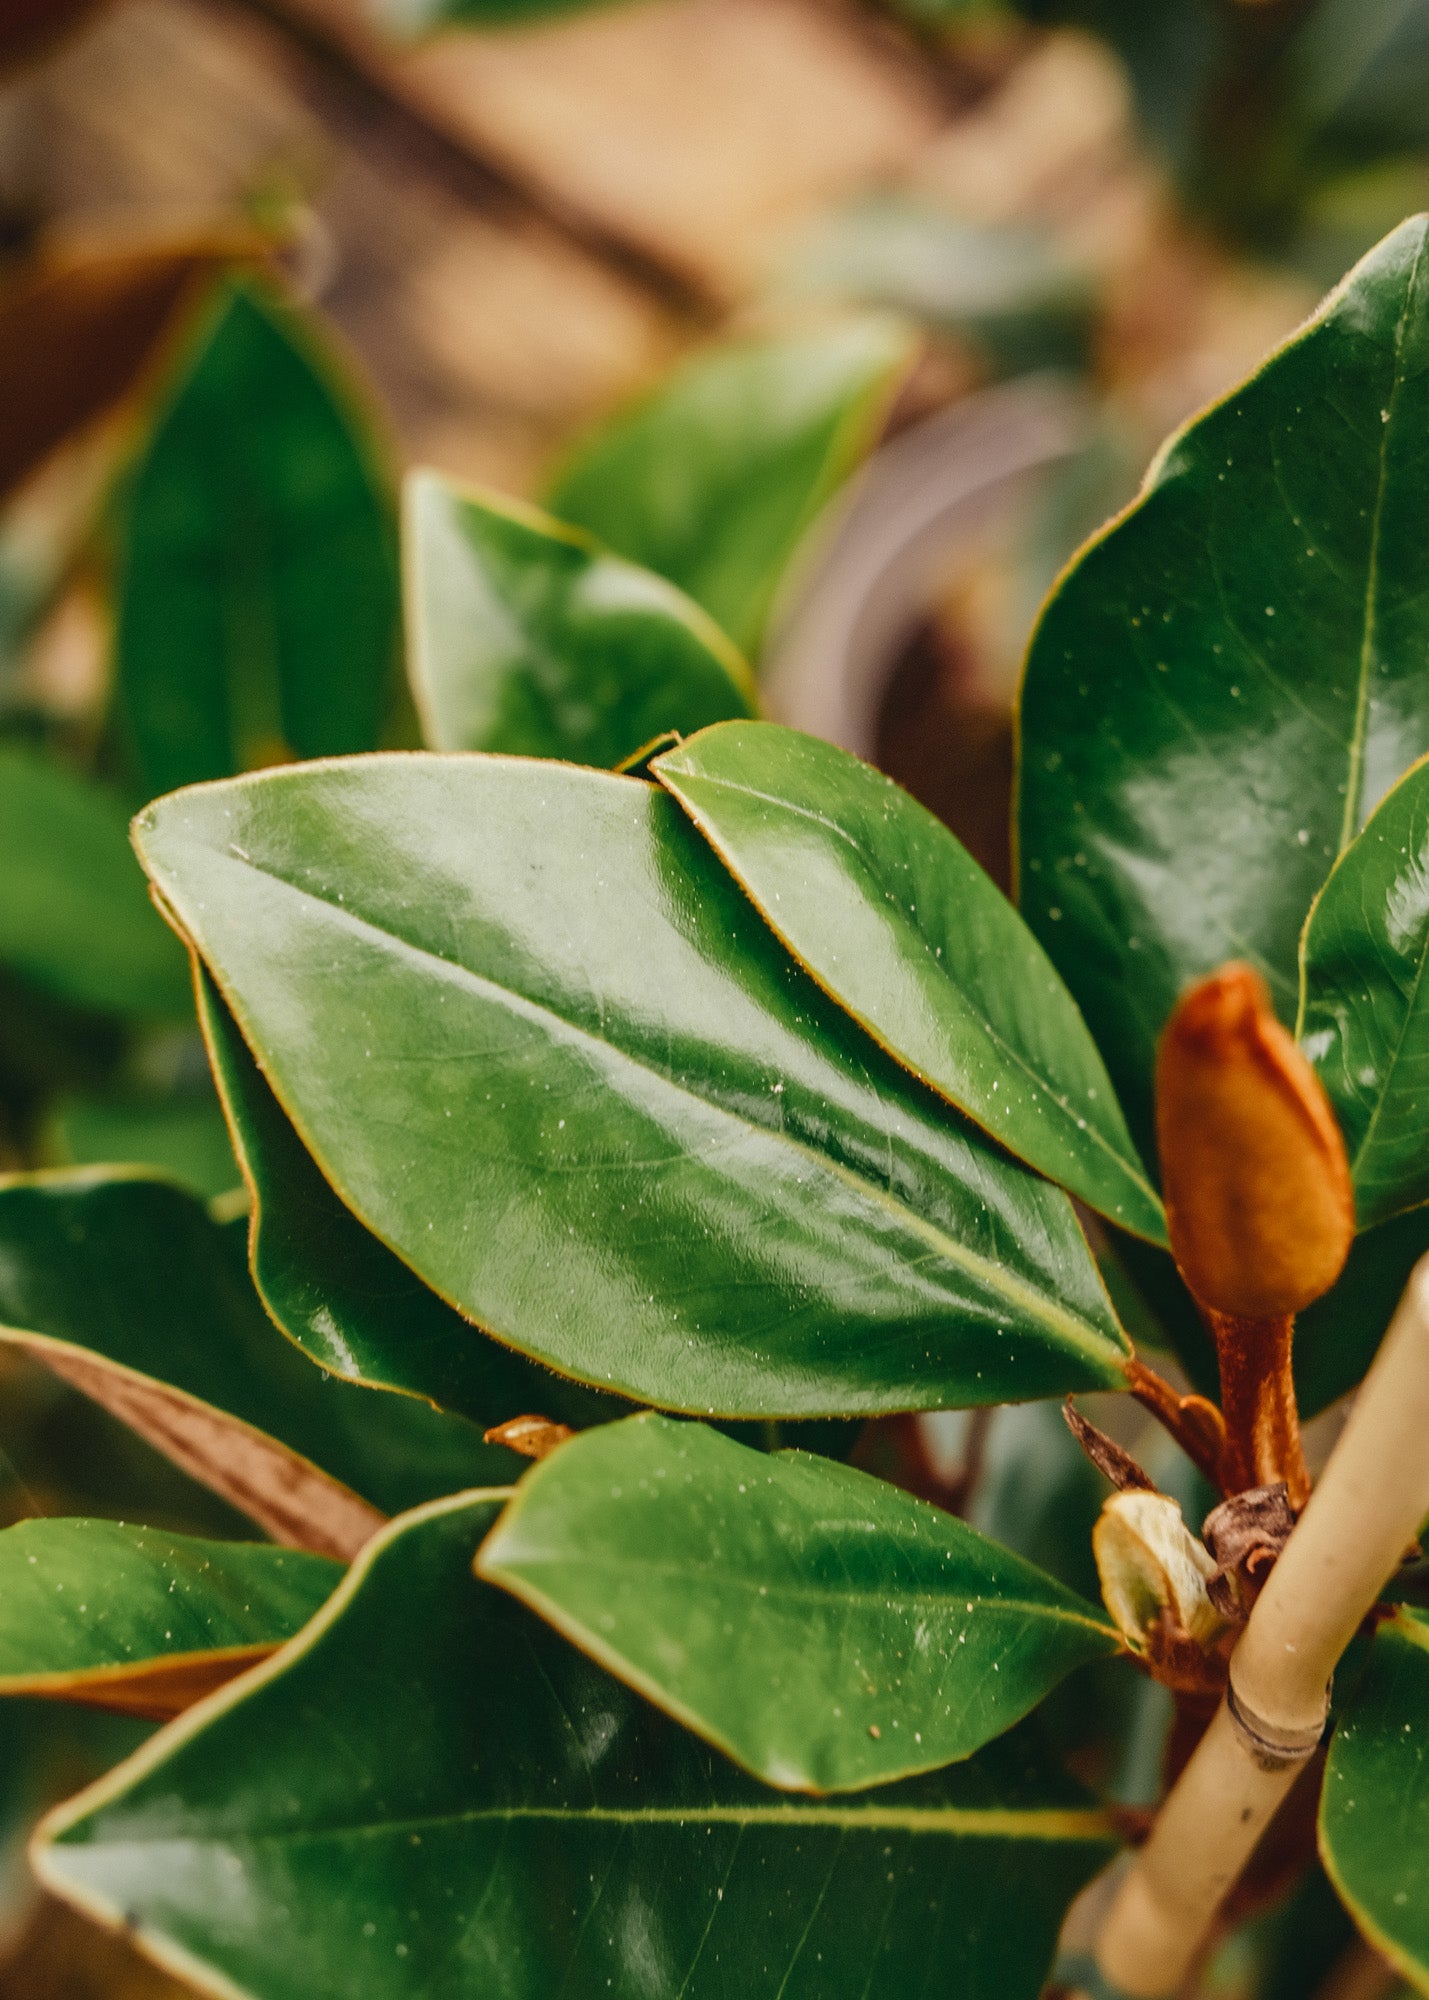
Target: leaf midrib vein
(1060, 1325)
(989, 1823)
(725, 1579)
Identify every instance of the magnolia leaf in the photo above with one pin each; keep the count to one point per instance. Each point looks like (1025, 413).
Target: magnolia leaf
(542, 1047)
(257, 614)
(526, 636)
(1374, 1810)
(1227, 681)
(714, 479)
(143, 1621)
(824, 1629)
(123, 1286)
(896, 920)
(352, 1305)
(1364, 1010)
(504, 1817)
(75, 916)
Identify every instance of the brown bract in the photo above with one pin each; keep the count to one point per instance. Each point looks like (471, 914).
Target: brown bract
(1258, 1196)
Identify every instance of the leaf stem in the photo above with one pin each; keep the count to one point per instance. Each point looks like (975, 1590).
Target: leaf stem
(1262, 1419)
(1194, 1422)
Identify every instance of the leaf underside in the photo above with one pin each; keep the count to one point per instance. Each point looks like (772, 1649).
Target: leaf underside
(121, 1284)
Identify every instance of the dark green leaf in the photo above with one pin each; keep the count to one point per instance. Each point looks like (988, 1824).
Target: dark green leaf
(1364, 1008)
(257, 590)
(75, 915)
(714, 479)
(347, 1301)
(823, 1629)
(1225, 684)
(136, 1619)
(1374, 1810)
(537, 1039)
(896, 920)
(122, 1285)
(526, 636)
(506, 1819)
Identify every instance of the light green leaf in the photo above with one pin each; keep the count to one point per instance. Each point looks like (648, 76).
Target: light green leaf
(1374, 1810)
(1364, 1008)
(179, 1133)
(122, 1285)
(1226, 683)
(257, 614)
(526, 636)
(352, 1305)
(714, 479)
(542, 1047)
(505, 1818)
(896, 920)
(1007, 286)
(822, 1628)
(75, 915)
(143, 1621)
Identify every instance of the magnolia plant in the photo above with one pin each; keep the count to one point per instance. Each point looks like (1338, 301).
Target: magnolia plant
(690, 1127)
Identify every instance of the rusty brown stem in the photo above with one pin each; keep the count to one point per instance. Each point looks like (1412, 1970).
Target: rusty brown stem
(1194, 1422)
(1262, 1418)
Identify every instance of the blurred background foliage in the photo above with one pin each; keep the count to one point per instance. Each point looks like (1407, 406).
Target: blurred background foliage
(675, 269)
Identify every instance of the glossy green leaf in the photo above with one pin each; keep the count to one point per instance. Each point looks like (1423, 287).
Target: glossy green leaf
(537, 1039)
(75, 915)
(99, 1611)
(505, 1818)
(819, 1626)
(1364, 1008)
(257, 614)
(896, 920)
(1225, 684)
(1374, 1810)
(347, 1300)
(715, 478)
(123, 1285)
(526, 636)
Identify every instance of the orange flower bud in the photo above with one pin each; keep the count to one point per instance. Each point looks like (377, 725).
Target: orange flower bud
(1259, 1203)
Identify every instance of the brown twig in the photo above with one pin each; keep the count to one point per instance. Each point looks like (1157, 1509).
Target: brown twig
(1195, 1423)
